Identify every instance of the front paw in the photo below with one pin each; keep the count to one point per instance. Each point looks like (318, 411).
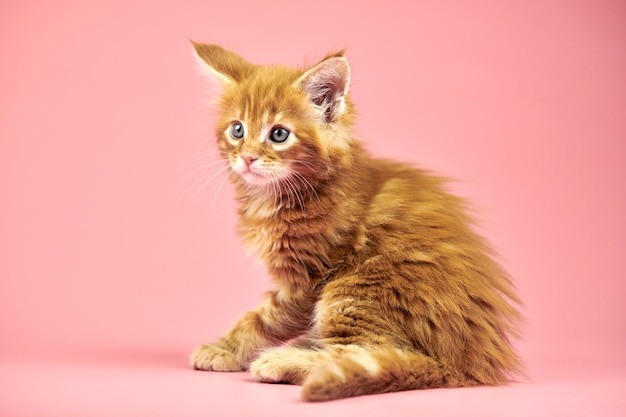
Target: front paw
(215, 358)
(284, 364)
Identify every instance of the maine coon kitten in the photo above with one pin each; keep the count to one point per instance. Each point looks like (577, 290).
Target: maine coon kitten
(381, 283)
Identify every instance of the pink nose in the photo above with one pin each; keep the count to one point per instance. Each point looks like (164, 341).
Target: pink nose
(249, 159)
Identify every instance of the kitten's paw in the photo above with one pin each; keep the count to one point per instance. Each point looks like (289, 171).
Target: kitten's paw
(215, 358)
(283, 364)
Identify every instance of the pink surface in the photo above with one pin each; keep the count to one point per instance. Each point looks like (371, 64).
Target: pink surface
(117, 256)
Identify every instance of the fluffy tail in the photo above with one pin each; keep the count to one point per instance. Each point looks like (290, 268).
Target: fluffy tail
(375, 372)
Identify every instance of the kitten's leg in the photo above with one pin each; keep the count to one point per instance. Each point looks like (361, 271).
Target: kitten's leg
(365, 351)
(293, 363)
(277, 320)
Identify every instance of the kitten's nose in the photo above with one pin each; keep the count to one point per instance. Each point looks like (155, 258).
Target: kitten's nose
(249, 159)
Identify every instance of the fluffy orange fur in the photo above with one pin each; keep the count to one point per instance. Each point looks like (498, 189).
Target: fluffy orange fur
(381, 282)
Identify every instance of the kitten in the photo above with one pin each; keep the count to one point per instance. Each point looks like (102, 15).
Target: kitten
(381, 283)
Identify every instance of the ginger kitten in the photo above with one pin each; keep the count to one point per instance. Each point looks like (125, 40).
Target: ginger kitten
(381, 283)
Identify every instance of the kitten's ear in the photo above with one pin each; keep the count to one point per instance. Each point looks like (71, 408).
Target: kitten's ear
(327, 85)
(220, 65)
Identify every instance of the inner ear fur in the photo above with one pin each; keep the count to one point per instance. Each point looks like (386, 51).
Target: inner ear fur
(327, 85)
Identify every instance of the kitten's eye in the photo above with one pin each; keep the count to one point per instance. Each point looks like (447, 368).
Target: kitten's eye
(279, 135)
(236, 130)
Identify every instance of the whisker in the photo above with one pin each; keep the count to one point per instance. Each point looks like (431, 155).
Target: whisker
(219, 171)
(289, 192)
(305, 182)
(206, 152)
(204, 182)
(315, 167)
(275, 191)
(217, 190)
(298, 195)
(205, 158)
(305, 163)
(286, 192)
(204, 166)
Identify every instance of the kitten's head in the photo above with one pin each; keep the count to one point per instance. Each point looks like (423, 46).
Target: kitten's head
(280, 127)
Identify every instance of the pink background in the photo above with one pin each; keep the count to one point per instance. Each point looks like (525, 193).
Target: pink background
(117, 257)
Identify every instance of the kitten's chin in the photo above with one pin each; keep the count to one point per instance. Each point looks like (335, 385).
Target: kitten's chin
(255, 179)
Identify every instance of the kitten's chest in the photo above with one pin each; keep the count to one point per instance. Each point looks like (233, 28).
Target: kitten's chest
(263, 228)
(290, 242)
(262, 237)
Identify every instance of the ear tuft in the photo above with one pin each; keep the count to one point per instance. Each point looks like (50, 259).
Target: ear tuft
(327, 85)
(221, 65)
